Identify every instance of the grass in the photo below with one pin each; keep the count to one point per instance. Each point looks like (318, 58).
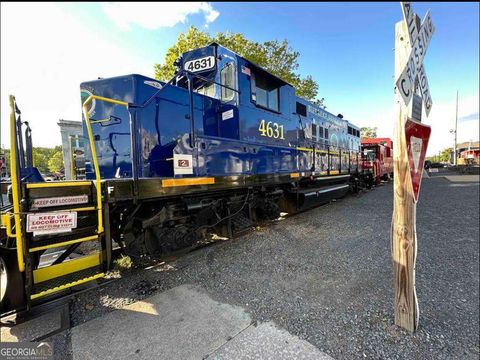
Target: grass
(123, 263)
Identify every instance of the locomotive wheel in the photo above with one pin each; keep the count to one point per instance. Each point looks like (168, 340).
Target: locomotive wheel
(133, 245)
(157, 241)
(11, 282)
(268, 209)
(161, 241)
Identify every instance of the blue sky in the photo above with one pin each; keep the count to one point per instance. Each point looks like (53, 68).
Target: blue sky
(346, 47)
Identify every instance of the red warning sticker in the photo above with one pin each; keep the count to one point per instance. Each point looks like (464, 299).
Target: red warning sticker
(49, 223)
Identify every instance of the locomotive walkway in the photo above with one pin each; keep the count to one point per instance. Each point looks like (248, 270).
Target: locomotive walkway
(312, 286)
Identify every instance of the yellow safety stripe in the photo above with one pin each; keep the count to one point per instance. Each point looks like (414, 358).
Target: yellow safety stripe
(66, 286)
(188, 181)
(90, 208)
(334, 172)
(332, 152)
(94, 155)
(58, 184)
(55, 271)
(72, 171)
(56, 245)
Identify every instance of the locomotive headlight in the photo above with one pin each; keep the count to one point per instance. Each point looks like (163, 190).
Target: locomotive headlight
(178, 64)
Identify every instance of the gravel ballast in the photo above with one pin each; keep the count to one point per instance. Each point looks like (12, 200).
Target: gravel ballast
(325, 275)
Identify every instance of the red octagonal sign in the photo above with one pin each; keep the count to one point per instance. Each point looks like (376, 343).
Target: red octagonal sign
(417, 136)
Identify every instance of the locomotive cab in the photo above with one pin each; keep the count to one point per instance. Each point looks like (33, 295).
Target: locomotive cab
(377, 158)
(213, 72)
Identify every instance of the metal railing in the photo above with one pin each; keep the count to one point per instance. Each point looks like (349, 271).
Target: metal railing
(190, 76)
(98, 179)
(15, 176)
(14, 157)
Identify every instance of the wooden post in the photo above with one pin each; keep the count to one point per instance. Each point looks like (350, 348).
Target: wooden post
(403, 232)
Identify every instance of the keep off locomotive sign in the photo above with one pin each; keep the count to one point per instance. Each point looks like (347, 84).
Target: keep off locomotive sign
(410, 145)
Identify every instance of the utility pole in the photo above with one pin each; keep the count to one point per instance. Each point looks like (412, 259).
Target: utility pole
(455, 144)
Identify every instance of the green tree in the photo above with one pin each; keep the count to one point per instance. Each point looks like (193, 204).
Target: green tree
(368, 132)
(442, 156)
(55, 163)
(44, 159)
(445, 155)
(40, 159)
(193, 39)
(275, 56)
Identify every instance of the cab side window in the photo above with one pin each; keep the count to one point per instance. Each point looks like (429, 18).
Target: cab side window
(314, 132)
(264, 92)
(227, 78)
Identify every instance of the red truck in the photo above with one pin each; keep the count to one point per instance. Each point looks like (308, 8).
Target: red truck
(377, 158)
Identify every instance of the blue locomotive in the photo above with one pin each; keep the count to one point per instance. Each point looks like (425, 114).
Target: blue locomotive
(219, 147)
(222, 116)
(223, 134)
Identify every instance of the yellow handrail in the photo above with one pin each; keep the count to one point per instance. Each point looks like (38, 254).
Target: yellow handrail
(5, 222)
(72, 159)
(15, 186)
(94, 152)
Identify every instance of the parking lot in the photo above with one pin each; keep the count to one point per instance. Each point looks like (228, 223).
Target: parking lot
(321, 280)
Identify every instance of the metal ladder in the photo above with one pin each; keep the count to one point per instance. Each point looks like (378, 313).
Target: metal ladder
(78, 202)
(47, 272)
(57, 273)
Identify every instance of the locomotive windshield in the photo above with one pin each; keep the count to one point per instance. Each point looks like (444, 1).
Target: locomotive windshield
(369, 155)
(213, 76)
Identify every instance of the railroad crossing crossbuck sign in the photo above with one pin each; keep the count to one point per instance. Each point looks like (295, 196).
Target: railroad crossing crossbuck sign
(412, 74)
(411, 139)
(419, 38)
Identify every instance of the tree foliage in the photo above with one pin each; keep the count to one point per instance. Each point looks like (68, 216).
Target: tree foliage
(55, 163)
(443, 156)
(48, 159)
(368, 132)
(275, 56)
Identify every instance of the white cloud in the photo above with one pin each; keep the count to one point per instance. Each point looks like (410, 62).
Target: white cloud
(155, 15)
(43, 64)
(441, 119)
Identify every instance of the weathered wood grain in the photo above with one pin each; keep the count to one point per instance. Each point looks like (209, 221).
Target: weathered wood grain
(403, 234)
